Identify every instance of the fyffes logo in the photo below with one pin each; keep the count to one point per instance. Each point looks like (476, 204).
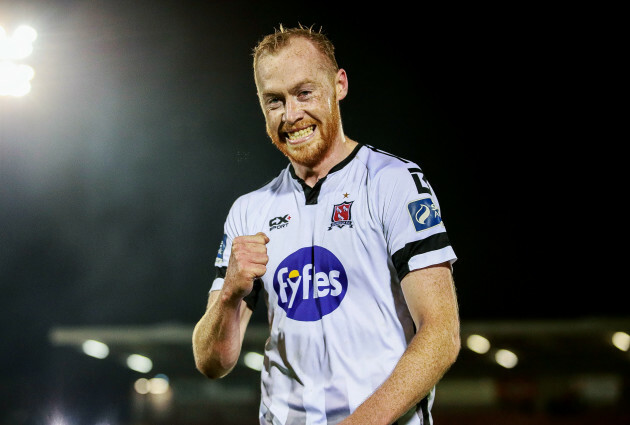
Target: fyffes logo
(310, 283)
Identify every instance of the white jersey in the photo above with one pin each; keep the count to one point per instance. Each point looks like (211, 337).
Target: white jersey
(337, 253)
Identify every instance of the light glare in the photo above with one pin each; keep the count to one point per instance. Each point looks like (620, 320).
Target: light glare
(19, 45)
(95, 349)
(158, 385)
(621, 340)
(25, 34)
(139, 363)
(142, 386)
(57, 419)
(506, 358)
(15, 79)
(254, 360)
(478, 344)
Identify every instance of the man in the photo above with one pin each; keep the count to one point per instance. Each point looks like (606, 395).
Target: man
(347, 247)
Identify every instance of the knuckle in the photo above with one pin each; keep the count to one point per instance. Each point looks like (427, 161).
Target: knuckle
(236, 255)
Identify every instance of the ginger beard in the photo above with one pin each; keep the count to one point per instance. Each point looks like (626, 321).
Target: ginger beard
(312, 152)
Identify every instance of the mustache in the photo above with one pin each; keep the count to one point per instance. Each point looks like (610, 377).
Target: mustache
(292, 128)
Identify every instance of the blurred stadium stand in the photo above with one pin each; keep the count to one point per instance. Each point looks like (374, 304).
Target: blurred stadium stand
(568, 372)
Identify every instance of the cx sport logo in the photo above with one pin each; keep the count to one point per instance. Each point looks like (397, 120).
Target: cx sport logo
(279, 222)
(310, 283)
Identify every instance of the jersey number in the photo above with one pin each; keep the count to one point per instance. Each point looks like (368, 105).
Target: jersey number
(415, 174)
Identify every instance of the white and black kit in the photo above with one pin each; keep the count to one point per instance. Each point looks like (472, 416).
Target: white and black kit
(337, 253)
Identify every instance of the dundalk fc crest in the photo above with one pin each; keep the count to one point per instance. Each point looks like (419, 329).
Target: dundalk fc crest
(341, 215)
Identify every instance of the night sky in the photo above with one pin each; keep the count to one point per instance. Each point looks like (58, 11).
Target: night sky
(143, 126)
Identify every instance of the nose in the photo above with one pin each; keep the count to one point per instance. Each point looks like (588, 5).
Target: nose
(292, 112)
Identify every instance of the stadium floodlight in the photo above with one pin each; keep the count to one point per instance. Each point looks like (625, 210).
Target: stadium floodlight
(139, 363)
(621, 340)
(25, 33)
(156, 385)
(142, 386)
(478, 344)
(95, 349)
(159, 384)
(19, 45)
(254, 361)
(15, 79)
(506, 358)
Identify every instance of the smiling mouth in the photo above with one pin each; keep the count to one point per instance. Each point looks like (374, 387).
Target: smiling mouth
(299, 135)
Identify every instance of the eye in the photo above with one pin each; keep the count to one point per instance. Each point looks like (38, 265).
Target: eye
(304, 94)
(273, 102)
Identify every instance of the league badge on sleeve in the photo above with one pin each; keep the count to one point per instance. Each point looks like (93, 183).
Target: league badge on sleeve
(342, 215)
(424, 214)
(219, 260)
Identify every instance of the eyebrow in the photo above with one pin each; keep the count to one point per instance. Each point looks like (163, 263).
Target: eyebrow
(295, 88)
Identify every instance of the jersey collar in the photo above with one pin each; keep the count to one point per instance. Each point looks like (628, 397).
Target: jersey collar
(337, 167)
(312, 193)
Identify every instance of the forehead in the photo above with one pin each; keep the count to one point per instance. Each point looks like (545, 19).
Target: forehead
(296, 62)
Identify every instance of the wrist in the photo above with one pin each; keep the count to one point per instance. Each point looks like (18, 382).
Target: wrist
(230, 298)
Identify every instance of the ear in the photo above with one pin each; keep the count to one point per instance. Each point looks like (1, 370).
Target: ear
(341, 81)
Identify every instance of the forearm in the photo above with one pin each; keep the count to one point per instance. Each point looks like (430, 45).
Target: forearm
(218, 336)
(429, 355)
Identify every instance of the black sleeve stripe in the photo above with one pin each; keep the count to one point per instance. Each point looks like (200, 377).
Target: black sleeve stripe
(252, 299)
(423, 406)
(402, 256)
(220, 272)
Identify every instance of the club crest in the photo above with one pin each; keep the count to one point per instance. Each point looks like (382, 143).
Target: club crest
(342, 215)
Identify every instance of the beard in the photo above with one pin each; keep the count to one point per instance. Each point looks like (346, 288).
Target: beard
(311, 153)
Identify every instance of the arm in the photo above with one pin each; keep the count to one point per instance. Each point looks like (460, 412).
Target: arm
(430, 296)
(218, 336)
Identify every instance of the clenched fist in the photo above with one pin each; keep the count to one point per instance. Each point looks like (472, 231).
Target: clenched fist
(248, 261)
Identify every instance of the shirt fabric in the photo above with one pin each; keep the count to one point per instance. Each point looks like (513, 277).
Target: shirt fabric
(337, 254)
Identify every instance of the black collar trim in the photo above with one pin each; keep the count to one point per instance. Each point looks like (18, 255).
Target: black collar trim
(312, 193)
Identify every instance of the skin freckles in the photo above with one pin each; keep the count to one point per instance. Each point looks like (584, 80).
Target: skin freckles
(298, 91)
(431, 298)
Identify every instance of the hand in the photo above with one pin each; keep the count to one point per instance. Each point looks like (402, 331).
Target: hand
(248, 261)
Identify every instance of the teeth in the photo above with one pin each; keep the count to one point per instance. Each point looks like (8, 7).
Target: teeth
(300, 133)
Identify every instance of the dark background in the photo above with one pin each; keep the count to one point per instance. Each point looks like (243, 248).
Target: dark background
(143, 126)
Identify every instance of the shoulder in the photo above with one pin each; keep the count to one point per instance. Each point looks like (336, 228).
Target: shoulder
(263, 193)
(386, 167)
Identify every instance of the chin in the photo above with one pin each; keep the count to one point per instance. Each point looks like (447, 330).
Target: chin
(309, 155)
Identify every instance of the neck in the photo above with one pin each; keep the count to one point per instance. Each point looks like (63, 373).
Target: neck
(311, 175)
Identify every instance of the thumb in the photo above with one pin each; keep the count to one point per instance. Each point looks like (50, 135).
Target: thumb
(264, 236)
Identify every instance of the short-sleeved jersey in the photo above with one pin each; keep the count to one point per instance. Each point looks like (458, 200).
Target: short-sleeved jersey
(337, 254)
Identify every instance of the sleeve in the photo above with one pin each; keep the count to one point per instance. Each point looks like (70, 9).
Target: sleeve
(412, 222)
(233, 227)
